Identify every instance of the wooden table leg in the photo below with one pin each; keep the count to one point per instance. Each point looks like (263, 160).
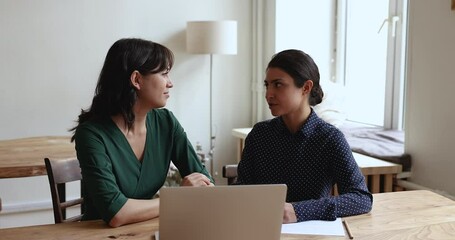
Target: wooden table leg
(388, 182)
(375, 183)
(335, 190)
(239, 150)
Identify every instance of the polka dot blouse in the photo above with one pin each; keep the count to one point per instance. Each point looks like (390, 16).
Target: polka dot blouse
(309, 162)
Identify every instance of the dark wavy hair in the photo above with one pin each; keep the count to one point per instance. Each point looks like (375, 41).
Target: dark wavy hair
(301, 67)
(114, 93)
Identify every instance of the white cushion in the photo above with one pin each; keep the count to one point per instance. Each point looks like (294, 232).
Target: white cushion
(331, 109)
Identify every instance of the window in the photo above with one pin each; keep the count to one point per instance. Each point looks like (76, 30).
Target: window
(370, 60)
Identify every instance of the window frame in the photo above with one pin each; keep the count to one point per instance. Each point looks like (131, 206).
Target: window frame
(395, 66)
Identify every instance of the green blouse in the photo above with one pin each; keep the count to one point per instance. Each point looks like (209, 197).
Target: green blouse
(111, 172)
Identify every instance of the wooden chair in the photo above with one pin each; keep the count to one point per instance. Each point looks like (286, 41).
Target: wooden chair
(59, 173)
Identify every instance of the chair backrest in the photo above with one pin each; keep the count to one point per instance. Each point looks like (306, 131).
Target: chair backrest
(230, 172)
(60, 172)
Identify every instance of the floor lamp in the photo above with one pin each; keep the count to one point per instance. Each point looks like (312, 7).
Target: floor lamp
(211, 37)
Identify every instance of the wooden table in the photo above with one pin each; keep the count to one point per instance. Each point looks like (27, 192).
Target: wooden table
(25, 157)
(372, 168)
(396, 215)
(83, 230)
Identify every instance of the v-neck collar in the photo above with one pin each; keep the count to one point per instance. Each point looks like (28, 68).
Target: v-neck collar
(122, 136)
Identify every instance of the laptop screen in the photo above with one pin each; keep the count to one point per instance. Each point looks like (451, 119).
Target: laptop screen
(222, 212)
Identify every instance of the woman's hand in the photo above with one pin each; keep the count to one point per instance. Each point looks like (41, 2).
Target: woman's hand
(196, 180)
(289, 214)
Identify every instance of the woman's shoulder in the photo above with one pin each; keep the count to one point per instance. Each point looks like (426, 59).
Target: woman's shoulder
(97, 127)
(329, 132)
(93, 125)
(263, 124)
(161, 113)
(266, 127)
(162, 117)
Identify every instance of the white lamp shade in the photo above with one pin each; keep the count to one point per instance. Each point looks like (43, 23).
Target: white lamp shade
(211, 37)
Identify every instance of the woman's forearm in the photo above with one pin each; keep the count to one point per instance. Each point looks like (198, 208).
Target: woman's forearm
(136, 210)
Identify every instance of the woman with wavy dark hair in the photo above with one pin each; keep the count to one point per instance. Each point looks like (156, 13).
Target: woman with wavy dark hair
(126, 140)
(299, 149)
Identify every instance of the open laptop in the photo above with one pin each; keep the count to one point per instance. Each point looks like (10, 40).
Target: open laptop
(222, 212)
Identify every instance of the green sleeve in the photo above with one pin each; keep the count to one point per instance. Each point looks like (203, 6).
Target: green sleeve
(97, 174)
(183, 155)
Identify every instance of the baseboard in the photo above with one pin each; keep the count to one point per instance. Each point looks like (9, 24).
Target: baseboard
(13, 208)
(414, 186)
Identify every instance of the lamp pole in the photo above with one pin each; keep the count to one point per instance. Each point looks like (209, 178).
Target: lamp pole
(212, 37)
(212, 137)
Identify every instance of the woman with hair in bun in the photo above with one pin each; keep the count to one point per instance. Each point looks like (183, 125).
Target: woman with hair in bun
(299, 149)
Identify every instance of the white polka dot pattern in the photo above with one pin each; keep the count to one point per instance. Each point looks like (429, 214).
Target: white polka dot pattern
(309, 162)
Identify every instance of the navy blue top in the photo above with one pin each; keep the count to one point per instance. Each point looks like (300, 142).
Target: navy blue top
(309, 162)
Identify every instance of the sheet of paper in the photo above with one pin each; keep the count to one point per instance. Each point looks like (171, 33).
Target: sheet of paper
(332, 228)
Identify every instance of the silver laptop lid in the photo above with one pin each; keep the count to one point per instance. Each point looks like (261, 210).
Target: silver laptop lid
(222, 212)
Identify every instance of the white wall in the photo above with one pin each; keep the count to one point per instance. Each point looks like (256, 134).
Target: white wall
(429, 114)
(51, 55)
